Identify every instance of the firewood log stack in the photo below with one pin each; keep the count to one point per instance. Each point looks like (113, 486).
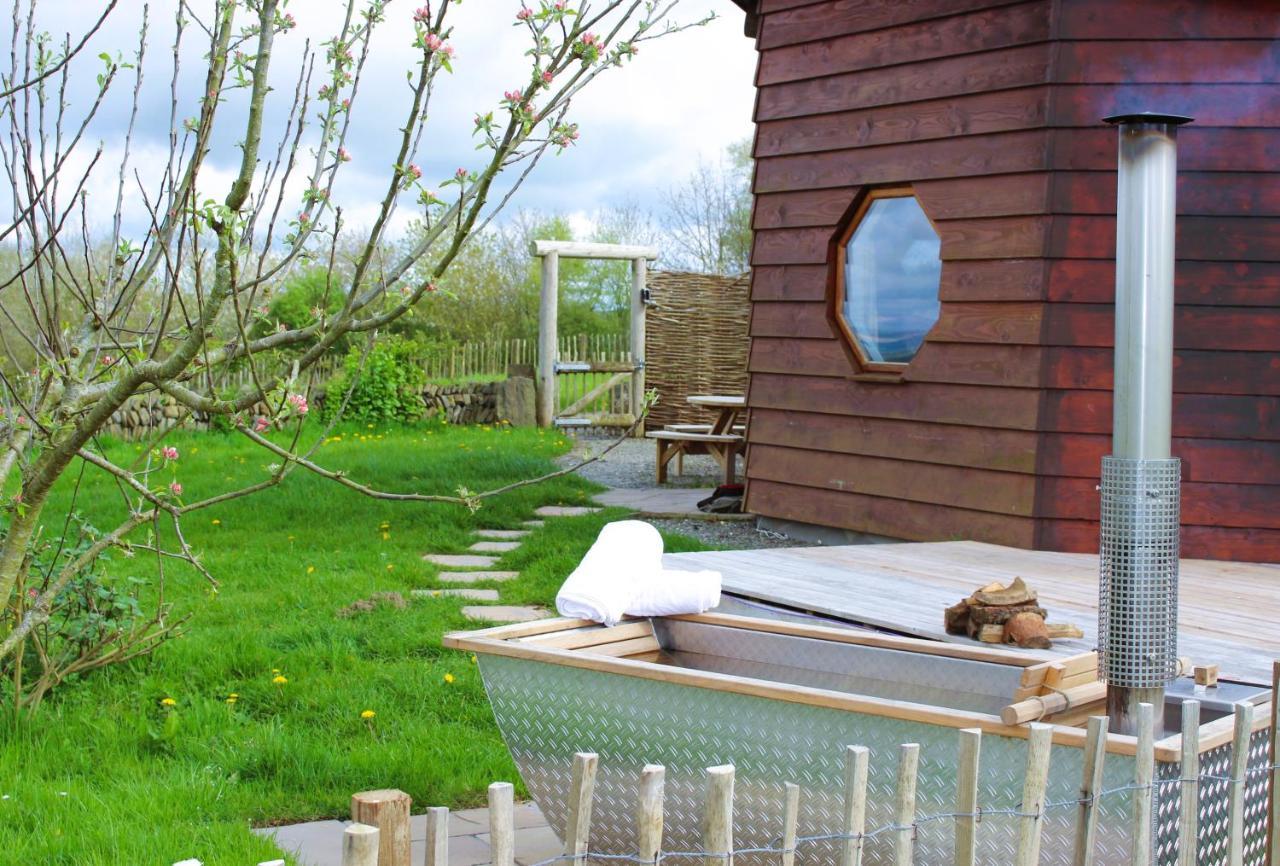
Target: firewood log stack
(1006, 614)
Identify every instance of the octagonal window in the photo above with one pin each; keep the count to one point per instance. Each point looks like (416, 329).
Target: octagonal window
(889, 279)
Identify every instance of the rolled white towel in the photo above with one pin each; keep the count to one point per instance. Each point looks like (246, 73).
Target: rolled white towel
(675, 592)
(623, 562)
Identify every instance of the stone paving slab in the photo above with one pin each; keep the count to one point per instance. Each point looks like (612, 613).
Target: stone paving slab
(565, 510)
(665, 502)
(494, 546)
(502, 534)
(504, 613)
(465, 592)
(476, 576)
(461, 560)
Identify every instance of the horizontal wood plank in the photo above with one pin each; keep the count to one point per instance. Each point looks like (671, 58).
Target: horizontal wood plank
(1199, 149)
(1195, 416)
(1168, 19)
(808, 23)
(1139, 61)
(1199, 193)
(789, 282)
(1234, 105)
(1227, 461)
(1251, 329)
(1194, 372)
(1203, 504)
(1240, 284)
(1219, 238)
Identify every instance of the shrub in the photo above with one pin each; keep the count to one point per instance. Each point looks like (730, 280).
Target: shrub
(387, 387)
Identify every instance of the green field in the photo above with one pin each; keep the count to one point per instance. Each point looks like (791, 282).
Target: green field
(102, 776)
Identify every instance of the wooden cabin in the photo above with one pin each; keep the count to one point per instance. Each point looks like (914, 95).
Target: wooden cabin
(969, 395)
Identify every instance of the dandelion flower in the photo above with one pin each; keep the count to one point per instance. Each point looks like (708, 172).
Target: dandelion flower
(473, 658)
(448, 678)
(311, 569)
(169, 702)
(216, 522)
(279, 680)
(390, 567)
(368, 714)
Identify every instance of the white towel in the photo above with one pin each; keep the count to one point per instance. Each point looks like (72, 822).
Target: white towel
(622, 574)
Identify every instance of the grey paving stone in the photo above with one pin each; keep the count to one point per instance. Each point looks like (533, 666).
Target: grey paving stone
(476, 576)
(494, 546)
(564, 510)
(504, 613)
(465, 592)
(315, 843)
(460, 560)
(533, 844)
(458, 826)
(502, 534)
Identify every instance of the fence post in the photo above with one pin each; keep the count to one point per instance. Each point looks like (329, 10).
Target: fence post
(904, 811)
(790, 817)
(1144, 765)
(548, 345)
(582, 788)
(967, 796)
(1273, 837)
(360, 845)
(639, 271)
(1095, 753)
(1239, 766)
(1189, 772)
(388, 810)
(856, 759)
(437, 837)
(1039, 744)
(718, 840)
(502, 833)
(649, 813)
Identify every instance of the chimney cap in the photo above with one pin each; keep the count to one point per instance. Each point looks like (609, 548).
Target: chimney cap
(1148, 117)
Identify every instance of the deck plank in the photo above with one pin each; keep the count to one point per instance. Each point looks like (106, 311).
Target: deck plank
(1227, 610)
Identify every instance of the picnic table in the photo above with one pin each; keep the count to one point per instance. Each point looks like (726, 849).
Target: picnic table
(724, 438)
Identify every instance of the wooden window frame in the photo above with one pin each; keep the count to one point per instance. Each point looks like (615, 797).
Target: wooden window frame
(868, 370)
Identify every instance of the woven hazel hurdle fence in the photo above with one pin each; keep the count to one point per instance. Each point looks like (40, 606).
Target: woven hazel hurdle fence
(384, 839)
(696, 341)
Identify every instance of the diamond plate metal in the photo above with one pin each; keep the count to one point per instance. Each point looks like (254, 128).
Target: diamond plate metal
(1138, 579)
(547, 712)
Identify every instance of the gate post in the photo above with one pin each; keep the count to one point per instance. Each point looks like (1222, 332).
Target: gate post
(639, 271)
(547, 338)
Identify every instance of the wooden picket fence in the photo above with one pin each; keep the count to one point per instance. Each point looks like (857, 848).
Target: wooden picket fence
(381, 835)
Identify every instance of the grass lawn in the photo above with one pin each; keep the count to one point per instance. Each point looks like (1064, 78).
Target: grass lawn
(95, 778)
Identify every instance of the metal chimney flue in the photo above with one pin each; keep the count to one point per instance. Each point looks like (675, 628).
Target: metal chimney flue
(1138, 581)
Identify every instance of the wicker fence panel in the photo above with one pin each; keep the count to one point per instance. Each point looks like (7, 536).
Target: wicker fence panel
(696, 341)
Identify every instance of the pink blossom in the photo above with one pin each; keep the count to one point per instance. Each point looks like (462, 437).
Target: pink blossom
(421, 15)
(460, 174)
(432, 42)
(559, 5)
(298, 402)
(289, 21)
(415, 171)
(346, 104)
(547, 76)
(513, 95)
(524, 14)
(260, 424)
(590, 39)
(106, 360)
(304, 217)
(175, 488)
(169, 452)
(448, 51)
(344, 155)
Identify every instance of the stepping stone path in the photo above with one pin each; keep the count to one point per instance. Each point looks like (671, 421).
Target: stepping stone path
(492, 541)
(461, 560)
(494, 546)
(476, 576)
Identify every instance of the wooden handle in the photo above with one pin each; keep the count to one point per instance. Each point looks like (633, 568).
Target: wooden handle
(1034, 709)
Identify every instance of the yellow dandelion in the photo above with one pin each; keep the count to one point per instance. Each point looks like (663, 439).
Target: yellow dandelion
(368, 714)
(386, 536)
(473, 658)
(390, 567)
(169, 702)
(275, 670)
(311, 569)
(231, 699)
(435, 593)
(448, 678)
(279, 680)
(216, 522)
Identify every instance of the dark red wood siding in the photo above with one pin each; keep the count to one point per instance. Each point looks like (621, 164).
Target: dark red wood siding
(990, 111)
(1219, 63)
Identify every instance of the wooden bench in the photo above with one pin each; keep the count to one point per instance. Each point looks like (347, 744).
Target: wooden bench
(724, 447)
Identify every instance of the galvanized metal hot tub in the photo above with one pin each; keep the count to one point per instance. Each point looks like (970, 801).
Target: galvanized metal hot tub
(780, 701)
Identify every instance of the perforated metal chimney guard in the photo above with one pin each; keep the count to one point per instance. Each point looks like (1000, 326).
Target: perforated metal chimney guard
(1138, 583)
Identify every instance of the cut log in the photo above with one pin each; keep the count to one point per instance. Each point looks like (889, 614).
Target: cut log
(991, 634)
(1027, 630)
(956, 618)
(1063, 630)
(1015, 593)
(1000, 615)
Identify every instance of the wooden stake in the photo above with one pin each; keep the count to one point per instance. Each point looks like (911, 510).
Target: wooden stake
(1095, 752)
(1273, 840)
(502, 832)
(967, 796)
(582, 788)
(1039, 744)
(1235, 801)
(649, 812)
(790, 817)
(856, 764)
(904, 804)
(548, 345)
(360, 845)
(388, 810)
(718, 838)
(639, 271)
(1144, 765)
(437, 853)
(1189, 770)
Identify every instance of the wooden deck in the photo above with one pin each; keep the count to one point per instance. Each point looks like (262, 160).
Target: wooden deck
(1229, 611)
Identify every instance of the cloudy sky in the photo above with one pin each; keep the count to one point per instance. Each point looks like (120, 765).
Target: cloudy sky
(643, 126)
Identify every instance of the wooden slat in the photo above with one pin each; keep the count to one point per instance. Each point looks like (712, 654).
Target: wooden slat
(582, 789)
(808, 23)
(967, 775)
(1168, 19)
(1242, 732)
(904, 805)
(502, 837)
(1189, 772)
(1206, 283)
(649, 814)
(718, 823)
(635, 646)
(1030, 825)
(1143, 779)
(1095, 753)
(1243, 61)
(790, 818)
(595, 635)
